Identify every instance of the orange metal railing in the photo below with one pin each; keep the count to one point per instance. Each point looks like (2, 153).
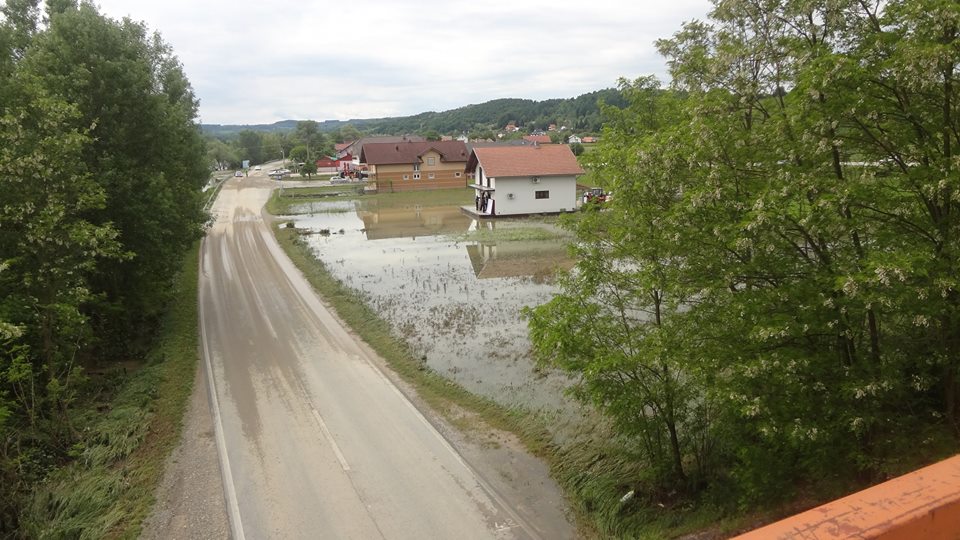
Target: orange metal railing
(922, 505)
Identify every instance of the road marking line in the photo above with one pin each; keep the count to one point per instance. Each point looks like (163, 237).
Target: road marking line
(327, 435)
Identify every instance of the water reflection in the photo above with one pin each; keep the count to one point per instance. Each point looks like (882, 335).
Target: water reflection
(380, 223)
(540, 259)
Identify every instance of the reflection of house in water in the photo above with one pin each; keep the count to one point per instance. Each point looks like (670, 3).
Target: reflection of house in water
(412, 222)
(518, 258)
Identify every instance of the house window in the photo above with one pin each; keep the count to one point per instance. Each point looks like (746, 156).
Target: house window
(431, 160)
(406, 177)
(542, 194)
(416, 167)
(430, 176)
(456, 174)
(416, 176)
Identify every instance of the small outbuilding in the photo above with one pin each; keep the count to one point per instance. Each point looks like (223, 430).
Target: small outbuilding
(518, 180)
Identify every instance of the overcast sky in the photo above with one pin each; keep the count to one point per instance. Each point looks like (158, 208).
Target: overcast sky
(261, 62)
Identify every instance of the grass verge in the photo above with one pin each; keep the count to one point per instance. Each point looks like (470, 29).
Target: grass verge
(108, 490)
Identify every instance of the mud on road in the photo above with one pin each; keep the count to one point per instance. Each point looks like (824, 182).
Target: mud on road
(341, 469)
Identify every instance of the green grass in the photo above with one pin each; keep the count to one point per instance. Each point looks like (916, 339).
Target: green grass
(412, 199)
(108, 490)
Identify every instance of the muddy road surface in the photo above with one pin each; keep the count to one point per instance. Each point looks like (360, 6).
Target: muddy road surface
(314, 440)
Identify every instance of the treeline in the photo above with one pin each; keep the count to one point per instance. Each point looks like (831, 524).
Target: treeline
(769, 308)
(581, 114)
(305, 143)
(101, 170)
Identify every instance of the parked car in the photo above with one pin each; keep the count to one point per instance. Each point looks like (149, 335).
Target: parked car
(238, 174)
(257, 168)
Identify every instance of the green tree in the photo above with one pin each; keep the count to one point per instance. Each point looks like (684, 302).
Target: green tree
(49, 248)
(576, 148)
(349, 133)
(308, 135)
(309, 168)
(221, 156)
(101, 168)
(20, 25)
(250, 146)
(276, 145)
(614, 323)
(147, 153)
(789, 256)
(300, 153)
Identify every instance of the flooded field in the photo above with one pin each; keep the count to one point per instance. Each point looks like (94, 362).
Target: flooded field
(451, 286)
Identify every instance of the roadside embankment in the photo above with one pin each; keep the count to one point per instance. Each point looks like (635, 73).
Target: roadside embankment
(108, 490)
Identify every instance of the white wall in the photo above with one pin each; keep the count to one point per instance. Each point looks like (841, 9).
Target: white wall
(563, 195)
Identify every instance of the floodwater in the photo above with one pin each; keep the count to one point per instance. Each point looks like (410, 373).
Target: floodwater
(456, 302)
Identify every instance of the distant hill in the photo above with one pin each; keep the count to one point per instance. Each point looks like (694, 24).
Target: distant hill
(581, 113)
(231, 130)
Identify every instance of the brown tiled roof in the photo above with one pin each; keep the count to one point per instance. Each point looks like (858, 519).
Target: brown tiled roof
(410, 152)
(539, 160)
(358, 146)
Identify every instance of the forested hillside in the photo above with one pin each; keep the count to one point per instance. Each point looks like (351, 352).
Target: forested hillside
(101, 170)
(769, 309)
(581, 113)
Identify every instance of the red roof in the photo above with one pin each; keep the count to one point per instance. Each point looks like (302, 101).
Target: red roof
(342, 146)
(542, 139)
(537, 160)
(410, 152)
(331, 161)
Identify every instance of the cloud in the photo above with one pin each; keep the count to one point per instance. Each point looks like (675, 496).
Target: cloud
(253, 62)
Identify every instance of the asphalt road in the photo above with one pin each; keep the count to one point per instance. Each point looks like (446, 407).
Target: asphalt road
(315, 442)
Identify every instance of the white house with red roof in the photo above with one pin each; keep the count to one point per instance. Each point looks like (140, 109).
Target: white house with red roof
(519, 180)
